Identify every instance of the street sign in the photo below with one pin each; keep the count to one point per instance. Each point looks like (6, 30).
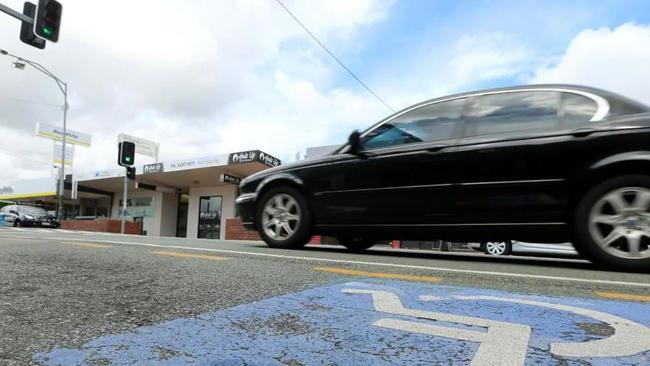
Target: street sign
(142, 146)
(56, 134)
(56, 154)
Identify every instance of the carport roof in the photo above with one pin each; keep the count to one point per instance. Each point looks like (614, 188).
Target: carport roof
(182, 174)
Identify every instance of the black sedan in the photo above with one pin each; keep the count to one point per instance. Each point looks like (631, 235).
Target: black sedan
(535, 163)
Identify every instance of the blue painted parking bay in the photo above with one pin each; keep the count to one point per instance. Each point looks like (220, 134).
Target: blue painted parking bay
(382, 322)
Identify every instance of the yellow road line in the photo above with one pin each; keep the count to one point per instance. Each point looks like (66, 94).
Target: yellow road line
(395, 276)
(622, 296)
(87, 245)
(189, 255)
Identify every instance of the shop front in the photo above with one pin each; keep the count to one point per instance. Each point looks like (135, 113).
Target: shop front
(193, 198)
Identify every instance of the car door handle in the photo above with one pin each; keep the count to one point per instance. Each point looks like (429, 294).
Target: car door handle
(435, 148)
(582, 132)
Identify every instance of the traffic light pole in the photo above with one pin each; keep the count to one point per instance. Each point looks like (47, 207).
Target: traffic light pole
(63, 86)
(124, 197)
(20, 16)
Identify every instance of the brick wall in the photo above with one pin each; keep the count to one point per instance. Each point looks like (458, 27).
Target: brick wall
(235, 231)
(105, 226)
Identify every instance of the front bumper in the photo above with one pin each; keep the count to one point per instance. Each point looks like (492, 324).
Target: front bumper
(246, 208)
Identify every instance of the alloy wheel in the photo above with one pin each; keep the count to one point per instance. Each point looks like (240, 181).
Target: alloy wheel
(619, 223)
(495, 247)
(281, 216)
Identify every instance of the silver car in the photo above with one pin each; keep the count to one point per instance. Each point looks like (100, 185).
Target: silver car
(23, 215)
(523, 248)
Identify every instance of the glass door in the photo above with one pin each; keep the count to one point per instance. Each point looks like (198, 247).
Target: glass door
(209, 217)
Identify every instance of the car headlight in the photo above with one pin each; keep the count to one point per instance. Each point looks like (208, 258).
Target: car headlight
(29, 217)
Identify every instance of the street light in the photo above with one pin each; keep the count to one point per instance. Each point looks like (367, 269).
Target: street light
(20, 65)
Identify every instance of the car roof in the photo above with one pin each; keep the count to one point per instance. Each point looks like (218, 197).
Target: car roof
(617, 102)
(611, 97)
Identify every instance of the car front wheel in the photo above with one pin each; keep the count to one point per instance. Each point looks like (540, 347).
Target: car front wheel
(612, 223)
(496, 247)
(283, 218)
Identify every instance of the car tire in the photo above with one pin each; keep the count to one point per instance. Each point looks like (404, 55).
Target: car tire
(17, 223)
(497, 248)
(612, 223)
(283, 218)
(356, 244)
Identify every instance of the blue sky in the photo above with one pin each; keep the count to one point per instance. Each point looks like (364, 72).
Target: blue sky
(415, 31)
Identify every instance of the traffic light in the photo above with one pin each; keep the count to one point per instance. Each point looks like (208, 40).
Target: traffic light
(126, 153)
(130, 172)
(47, 21)
(27, 30)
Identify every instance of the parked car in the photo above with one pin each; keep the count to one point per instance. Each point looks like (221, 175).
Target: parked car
(535, 163)
(509, 247)
(24, 215)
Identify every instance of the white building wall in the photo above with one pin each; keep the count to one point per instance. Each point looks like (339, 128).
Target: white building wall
(150, 224)
(228, 192)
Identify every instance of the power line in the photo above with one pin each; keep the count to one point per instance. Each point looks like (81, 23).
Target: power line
(333, 56)
(30, 101)
(25, 158)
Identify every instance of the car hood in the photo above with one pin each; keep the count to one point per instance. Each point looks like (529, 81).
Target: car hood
(292, 166)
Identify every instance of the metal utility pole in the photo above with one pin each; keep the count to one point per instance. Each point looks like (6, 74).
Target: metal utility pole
(124, 197)
(63, 86)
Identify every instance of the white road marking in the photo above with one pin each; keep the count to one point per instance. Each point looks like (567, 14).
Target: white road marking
(629, 338)
(368, 263)
(492, 350)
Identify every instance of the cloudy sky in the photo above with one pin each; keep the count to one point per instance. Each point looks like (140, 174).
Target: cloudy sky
(210, 77)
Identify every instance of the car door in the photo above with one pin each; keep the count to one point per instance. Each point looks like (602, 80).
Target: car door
(10, 214)
(518, 152)
(403, 175)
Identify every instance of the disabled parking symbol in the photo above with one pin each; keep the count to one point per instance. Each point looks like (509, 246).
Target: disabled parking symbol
(629, 338)
(386, 322)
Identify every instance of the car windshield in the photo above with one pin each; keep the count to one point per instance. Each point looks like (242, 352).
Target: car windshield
(30, 210)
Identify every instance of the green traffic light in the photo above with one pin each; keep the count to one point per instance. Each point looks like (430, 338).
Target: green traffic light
(47, 30)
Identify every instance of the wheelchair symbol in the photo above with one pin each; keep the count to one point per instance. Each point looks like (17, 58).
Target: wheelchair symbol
(629, 338)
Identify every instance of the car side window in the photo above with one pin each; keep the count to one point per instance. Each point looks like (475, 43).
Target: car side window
(433, 122)
(577, 109)
(513, 112)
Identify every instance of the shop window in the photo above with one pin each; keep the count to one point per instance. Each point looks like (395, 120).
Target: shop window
(209, 217)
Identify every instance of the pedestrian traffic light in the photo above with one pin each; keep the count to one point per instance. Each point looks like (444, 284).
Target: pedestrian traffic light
(27, 30)
(130, 172)
(126, 153)
(47, 21)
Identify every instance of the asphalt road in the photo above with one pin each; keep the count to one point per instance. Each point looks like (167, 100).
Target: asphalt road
(71, 298)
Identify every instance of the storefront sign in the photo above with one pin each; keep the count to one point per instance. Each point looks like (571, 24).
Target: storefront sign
(153, 168)
(109, 173)
(227, 178)
(253, 155)
(56, 133)
(205, 162)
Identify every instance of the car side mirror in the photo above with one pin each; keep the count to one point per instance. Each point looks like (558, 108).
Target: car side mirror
(354, 141)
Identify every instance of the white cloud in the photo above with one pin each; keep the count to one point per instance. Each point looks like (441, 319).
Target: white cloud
(201, 78)
(614, 59)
